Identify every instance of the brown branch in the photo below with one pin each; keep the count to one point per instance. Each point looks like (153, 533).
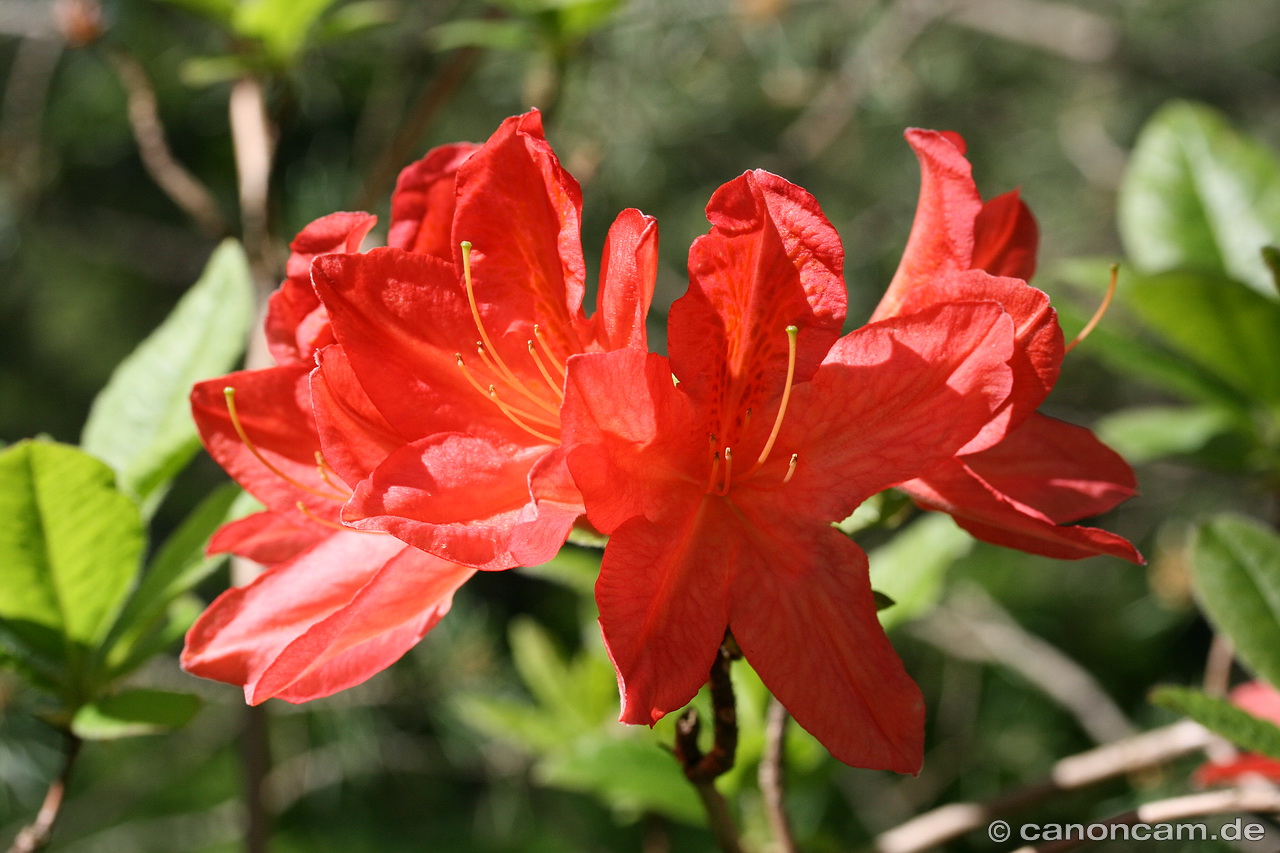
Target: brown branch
(1126, 756)
(182, 187)
(254, 140)
(36, 836)
(702, 769)
(1256, 800)
(772, 769)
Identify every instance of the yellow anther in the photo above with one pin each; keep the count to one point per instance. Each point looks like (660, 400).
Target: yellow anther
(229, 393)
(542, 368)
(728, 472)
(791, 467)
(551, 357)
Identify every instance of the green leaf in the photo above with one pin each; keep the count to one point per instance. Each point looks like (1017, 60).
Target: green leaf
(1216, 713)
(141, 423)
(134, 712)
(632, 775)
(574, 567)
(1220, 324)
(911, 567)
(281, 25)
(177, 567)
(492, 35)
(69, 550)
(1236, 572)
(1198, 196)
(218, 10)
(1148, 433)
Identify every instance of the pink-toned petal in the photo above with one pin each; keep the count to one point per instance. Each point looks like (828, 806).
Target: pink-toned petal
(1258, 698)
(893, 400)
(627, 276)
(456, 496)
(353, 433)
(423, 202)
(266, 537)
(274, 409)
(997, 518)
(664, 606)
(941, 238)
(521, 212)
(802, 612)
(402, 320)
(770, 261)
(1061, 469)
(1038, 350)
(297, 324)
(556, 505)
(300, 615)
(633, 439)
(1006, 237)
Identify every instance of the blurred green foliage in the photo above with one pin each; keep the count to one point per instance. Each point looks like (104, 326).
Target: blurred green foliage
(653, 105)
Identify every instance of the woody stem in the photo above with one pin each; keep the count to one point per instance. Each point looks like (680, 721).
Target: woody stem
(702, 769)
(36, 836)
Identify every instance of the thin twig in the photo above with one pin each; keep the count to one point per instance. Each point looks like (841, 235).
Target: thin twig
(36, 836)
(1130, 755)
(702, 769)
(254, 139)
(1256, 800)
(182, 187)
(772, 777)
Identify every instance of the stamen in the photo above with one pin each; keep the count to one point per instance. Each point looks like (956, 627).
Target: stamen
(551, 357)
(323, 467)
(230, 394)
(791, 467)
(715, 469)
(1097, 315)
(302, 508)
(484, 343)
(492, 393)
(728, 472)
(542, 368)
(792, 331)
(511, 413)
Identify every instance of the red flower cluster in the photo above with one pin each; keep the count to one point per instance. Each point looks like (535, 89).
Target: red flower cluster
(449, 391)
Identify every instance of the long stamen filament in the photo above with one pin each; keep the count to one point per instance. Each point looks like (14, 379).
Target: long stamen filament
(728, 472)
(325, 471)
(792, 332)
(1097, 315)
(791, 467)
(493, 368)
(302, 508)
(512, 413)
(229, 394)
(551, 357)
(715, 469)
(542, 368)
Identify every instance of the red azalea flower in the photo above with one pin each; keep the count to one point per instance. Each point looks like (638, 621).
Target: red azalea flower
(1262, 701)
(335, 606)
(719, 491)
(1022, 480)
(461, 359)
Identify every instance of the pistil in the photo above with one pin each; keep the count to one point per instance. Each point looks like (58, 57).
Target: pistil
(792, 332)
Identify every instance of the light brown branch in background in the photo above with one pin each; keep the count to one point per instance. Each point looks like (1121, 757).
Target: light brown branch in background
(36, 836)
(1149, 749)
(182, 187)
(772, 777)
(254, 140)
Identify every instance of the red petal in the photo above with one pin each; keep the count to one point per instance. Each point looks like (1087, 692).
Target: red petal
(1258, 698)
(999, 519)
(456, 496)
(771, 260)
(556, 505)
(663, 606)
(402, 320)
(1039, 347)
(297, 325)
(1238, 770)
(1058, 468)
(941, 238)
(334, 616)
(802, 611)
(634, 440)
(893, 399)
(423, 203)
(354, 434)
(1006, 238)
(274, 408)
(627, 276)
(265, 537)
(521, 213)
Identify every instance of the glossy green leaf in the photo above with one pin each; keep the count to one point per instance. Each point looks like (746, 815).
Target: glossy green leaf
(1236, 571)
(632, 775)
(1148, 433)
(1199, 196)
(141, 423)
(281, 25)
(1219, 715)
(910, 569)
(134, 712)
(69, 550)
(1220, 324)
